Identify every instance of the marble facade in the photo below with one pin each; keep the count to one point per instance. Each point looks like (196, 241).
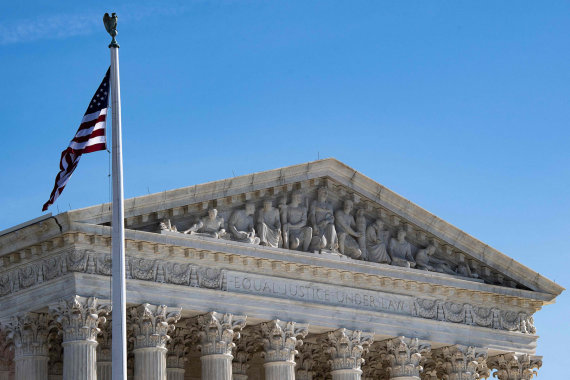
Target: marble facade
(311, 272)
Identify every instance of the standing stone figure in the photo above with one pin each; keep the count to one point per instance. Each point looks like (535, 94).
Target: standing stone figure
(240, 225)
(401, 251)
(345, 226)
(376, 242)
(361, 227)
(322, 220)
(296, 233)
(211, 225)
(269, 225)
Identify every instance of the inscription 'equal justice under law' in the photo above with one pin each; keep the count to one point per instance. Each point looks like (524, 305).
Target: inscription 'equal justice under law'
(310, 292)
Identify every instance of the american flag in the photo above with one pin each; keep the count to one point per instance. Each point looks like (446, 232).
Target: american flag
(90, 137)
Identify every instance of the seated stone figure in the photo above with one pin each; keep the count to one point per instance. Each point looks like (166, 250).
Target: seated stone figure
(377, 242)
(345, 227)
(296, 233)
(166, 225)
(401, 251)
(269, 225)
(211, 225)
(321, 216)
(240, 225)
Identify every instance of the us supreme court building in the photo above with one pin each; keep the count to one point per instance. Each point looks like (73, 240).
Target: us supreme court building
(312, 271)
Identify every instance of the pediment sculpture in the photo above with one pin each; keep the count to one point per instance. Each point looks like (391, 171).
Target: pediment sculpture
(320, 225)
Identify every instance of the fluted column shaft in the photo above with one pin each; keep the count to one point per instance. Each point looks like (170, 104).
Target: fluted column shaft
(79, 360)
(217, 367)
(175, 373)
(104, 370)
(32, 367)
(150, 363)
(279, 370)
(346, 374)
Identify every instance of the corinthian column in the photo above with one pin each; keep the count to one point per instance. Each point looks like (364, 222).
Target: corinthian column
(6, 358)
(512, 366)
(29, 333)
(346, 348)
(279, 343)
(79, 320)
(217, 332)
(402, 358)
(150, 327)
(104, 355)
(175, 357)
(460, 363)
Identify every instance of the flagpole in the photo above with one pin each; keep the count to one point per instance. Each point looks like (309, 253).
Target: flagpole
(119, 323)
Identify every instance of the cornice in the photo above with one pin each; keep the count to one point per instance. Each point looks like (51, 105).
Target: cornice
(286, 264)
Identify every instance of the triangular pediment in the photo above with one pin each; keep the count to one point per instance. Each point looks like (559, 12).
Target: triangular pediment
(455, 252)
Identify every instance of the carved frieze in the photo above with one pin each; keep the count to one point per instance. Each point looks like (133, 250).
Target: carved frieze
(177, 273)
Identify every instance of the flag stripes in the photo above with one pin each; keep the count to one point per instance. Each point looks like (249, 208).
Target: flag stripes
(90, 137)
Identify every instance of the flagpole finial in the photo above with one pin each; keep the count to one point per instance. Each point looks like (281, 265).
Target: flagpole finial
(111, 26)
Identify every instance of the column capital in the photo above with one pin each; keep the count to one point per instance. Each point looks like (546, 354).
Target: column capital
(151, 324)
(309, 360)
(346, 348)
(460, 362)
(513, 366)
(80, 318)
(280, 339)
(402, 356)
(217, 332)
(104, 347)
(29, 332)
(176, 354)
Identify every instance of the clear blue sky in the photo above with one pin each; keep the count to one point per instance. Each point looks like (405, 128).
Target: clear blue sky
(460, 106)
